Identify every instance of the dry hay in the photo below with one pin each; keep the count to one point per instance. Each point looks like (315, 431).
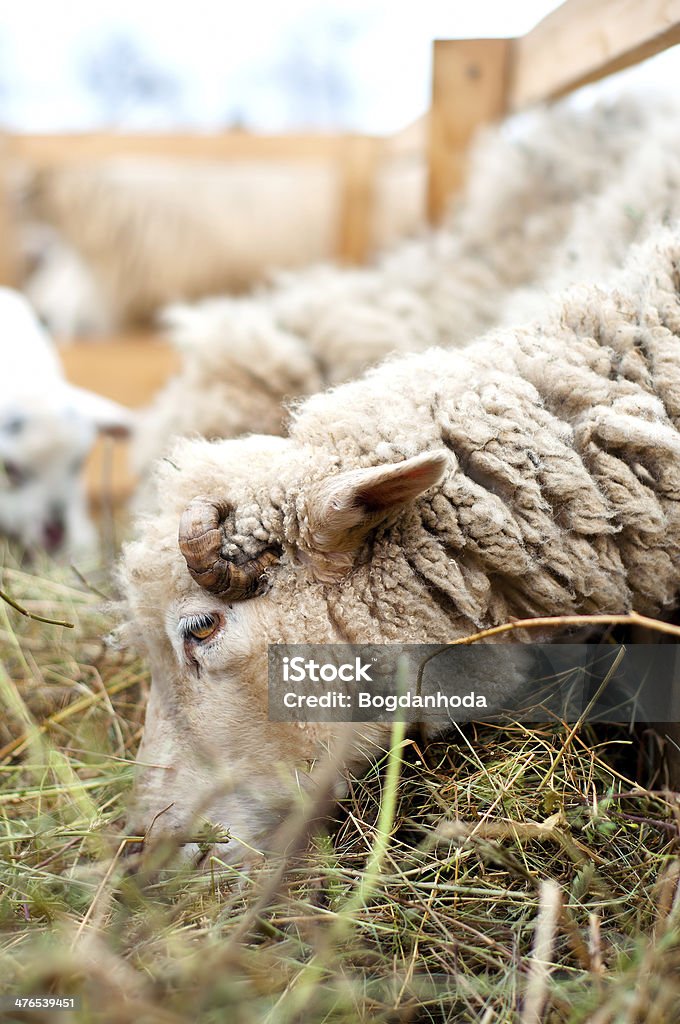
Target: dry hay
(437, 891)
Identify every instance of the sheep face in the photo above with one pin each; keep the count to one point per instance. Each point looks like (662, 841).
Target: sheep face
(44, 441)
(209, 752)
(42, 451)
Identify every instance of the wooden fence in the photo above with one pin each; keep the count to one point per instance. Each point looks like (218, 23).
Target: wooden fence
(132, 367)
(474, 81)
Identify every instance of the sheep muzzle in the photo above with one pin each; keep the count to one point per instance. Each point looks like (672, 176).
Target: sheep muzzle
(200, 541)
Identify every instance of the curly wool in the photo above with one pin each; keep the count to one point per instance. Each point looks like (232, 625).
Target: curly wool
(563, 493)
(525, 194)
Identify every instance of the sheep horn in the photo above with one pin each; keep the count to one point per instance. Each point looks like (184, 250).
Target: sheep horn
(200, 541)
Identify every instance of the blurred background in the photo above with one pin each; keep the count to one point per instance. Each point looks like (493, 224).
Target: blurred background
(356, 65)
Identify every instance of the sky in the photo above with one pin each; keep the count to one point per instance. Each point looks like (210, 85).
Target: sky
(269, 65)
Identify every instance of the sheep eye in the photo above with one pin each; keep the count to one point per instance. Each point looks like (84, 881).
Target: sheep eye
(15, 476)
(199, 627)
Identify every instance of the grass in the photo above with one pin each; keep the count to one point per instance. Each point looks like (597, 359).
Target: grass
(501, 876)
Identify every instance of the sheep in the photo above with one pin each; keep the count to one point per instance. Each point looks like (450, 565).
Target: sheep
(535, 472)
(47, 427)
(148, 232)
(325, 325)
(644, 193)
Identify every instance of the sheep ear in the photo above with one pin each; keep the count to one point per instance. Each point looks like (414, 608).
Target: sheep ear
(107, 416)
(347, 507)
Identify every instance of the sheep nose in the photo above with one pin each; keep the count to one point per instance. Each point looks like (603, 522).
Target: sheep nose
(131, 853)
(53, 533)
(135, 847)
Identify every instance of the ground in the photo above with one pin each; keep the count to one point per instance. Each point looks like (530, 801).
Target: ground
(503, 875)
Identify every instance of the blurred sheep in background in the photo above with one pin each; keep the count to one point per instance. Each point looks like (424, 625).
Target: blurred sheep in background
(47, 428)
(108, 243)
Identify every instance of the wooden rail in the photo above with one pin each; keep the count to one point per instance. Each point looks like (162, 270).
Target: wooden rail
(585, 40)
(481, 80)
(8, 260)
(130, 370)
(53, 150)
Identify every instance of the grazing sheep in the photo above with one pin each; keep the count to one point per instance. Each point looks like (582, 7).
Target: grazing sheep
(148, 232)
(244, 358)
(47, 428)
(535, 472)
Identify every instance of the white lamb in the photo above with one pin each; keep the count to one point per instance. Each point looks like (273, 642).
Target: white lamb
(47, 428)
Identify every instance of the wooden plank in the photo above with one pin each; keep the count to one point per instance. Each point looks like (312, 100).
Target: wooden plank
(468, 90)
(583, 41)
(130, 370)
(357, 185)
(8, 263)
(48, 150)
(109, 480)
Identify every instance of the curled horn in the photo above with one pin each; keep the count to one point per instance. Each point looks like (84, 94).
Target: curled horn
(200, 541)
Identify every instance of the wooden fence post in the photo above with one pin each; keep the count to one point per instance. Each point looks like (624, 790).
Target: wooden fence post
(8, 250)
(469, 89)
(357, 199)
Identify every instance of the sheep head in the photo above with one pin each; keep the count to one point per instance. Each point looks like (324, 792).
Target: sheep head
(200, 541)
(210, 749)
